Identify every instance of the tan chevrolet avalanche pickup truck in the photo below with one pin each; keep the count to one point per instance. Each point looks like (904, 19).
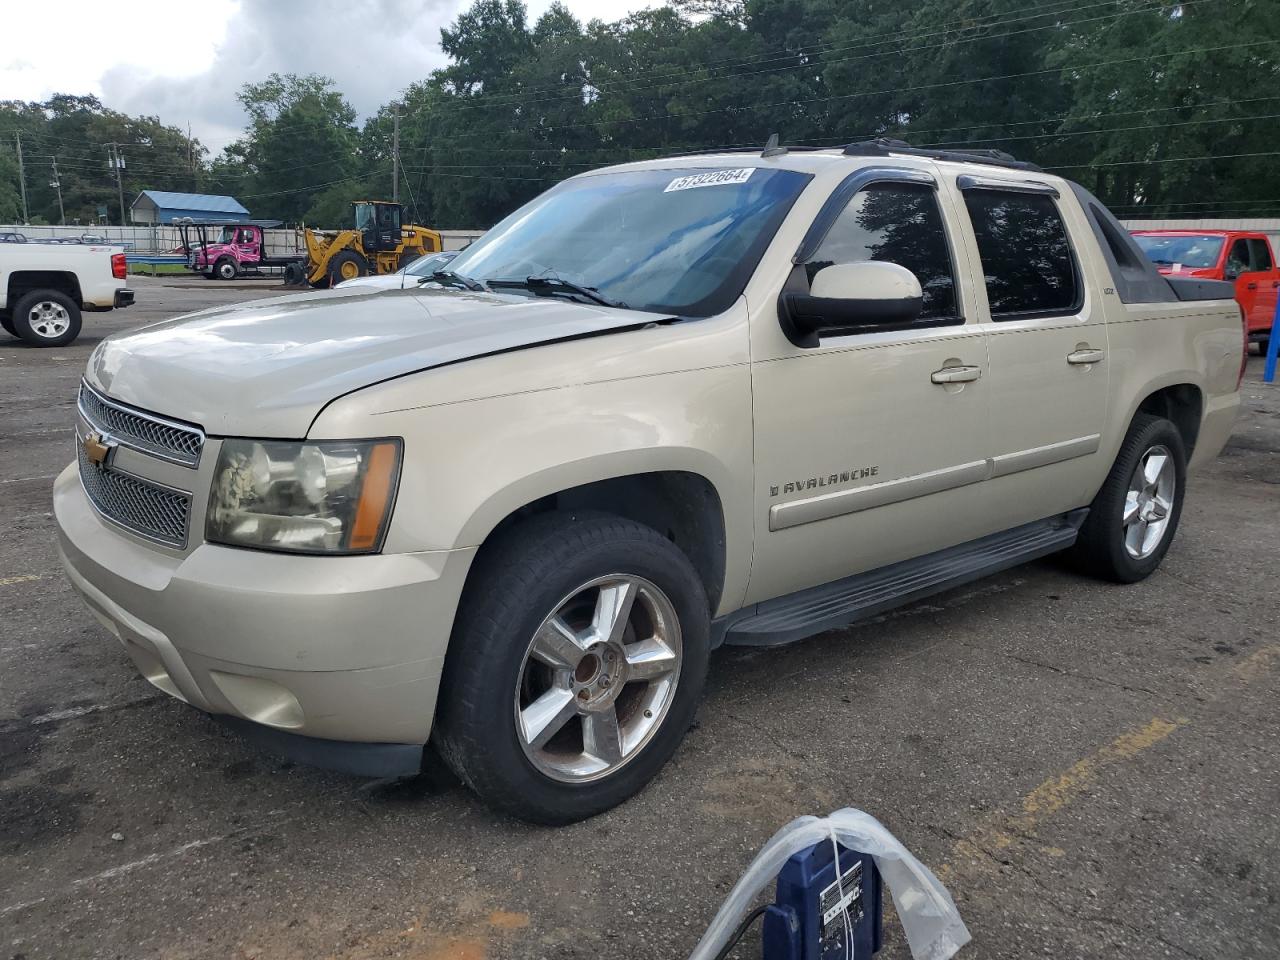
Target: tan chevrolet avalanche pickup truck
(730, 398)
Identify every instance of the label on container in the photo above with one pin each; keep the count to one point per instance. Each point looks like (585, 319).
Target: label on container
(712, 178)
(840, 898)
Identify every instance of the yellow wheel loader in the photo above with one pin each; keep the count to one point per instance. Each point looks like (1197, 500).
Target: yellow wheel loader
(379, 243)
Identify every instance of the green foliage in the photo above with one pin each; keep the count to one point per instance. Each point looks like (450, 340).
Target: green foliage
(1129, 96)
(302, 139)
(74, 132)
(10, 194)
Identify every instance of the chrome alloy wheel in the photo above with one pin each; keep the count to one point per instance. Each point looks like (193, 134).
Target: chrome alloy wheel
(1148, 505)
(598, 678)
(49, 319)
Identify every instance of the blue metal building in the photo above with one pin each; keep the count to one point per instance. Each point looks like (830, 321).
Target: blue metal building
(159, 206)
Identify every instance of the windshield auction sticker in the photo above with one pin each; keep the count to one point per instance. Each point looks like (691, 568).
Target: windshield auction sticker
(712, 178)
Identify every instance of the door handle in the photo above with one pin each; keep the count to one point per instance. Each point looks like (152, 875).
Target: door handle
(1251, 286)
(961, 374)
(1087, 355)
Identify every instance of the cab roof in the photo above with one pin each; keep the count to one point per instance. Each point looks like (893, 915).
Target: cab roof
(815, 160)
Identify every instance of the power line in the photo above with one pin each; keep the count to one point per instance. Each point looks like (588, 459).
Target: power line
(792, 104)
(1136, 163)
(522, 101)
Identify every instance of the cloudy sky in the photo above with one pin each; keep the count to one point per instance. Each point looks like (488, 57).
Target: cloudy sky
(184, 62)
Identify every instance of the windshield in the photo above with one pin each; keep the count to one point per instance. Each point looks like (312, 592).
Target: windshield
(228, 235)
(1193, 252)
(426, 266)
(678, 241)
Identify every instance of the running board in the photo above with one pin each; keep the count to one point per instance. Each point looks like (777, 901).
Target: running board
(800, 615)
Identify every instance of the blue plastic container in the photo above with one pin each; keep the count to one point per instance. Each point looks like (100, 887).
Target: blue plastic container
(812, 917)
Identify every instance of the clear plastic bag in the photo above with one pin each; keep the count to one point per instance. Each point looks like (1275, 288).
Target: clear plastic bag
(929, 916)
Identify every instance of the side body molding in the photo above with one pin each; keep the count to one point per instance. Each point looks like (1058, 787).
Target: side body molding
(794, 513)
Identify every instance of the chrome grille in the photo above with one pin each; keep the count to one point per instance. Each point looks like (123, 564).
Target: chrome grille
(153, 511)
(167, 439)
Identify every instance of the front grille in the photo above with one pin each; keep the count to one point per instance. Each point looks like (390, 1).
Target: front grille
(143, 431)
(156, 512)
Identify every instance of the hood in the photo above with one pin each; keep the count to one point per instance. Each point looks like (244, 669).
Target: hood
(266, 369)
(386, 281)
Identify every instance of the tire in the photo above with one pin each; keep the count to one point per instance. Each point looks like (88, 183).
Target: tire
(1263, 342)
(46, 318)
(535, 571)
(1105, 547)
(6, 322)
(346, 265)
(226, 268)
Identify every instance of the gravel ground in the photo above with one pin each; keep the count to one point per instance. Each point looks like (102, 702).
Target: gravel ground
(1092, 769)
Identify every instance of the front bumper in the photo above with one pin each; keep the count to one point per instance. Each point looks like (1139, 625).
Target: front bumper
(308, 649)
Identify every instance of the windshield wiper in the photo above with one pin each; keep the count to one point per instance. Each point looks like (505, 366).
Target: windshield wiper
(558, 285)
(448, 276)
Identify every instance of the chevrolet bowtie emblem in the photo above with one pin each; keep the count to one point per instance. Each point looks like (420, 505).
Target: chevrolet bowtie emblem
(97, 448)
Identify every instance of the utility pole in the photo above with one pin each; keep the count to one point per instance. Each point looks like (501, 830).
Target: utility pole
(22, 178)
(117, 161)
(56, 183)
(395, 156)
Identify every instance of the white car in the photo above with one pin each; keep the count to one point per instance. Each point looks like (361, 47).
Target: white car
(415, 274)
(44, 286)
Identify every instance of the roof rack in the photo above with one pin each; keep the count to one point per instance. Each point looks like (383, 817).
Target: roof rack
(881, 147)
(884, 146)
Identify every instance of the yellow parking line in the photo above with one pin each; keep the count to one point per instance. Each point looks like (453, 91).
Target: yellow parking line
(24, 578)
(1006, 830)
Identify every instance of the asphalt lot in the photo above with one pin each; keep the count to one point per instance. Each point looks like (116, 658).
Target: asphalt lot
(1092, 769)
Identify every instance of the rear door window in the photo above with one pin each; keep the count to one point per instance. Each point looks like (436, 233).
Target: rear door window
(1027, 260)
(1259, 254)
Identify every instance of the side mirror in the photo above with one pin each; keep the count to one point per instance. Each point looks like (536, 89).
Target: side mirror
(1232, 273)
(847, 298)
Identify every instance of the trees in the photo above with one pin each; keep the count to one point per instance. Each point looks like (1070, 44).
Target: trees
(302, 139)
(1130, 96)
(73, 132)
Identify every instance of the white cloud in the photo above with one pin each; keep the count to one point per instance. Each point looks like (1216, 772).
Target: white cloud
(185, 63)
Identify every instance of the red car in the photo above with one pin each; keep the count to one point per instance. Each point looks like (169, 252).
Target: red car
(1241, 256)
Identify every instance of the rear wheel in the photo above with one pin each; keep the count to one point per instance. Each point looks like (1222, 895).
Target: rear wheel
(226, 269)
(1262, 345)
(575, 666)
(46, 318)
(1133, 518)
(346, 265)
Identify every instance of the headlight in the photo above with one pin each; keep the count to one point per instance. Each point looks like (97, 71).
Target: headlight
(332, 496)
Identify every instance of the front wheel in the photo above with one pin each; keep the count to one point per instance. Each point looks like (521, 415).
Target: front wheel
(1133, 518)
(575, 666)
(346, 265)
(226, 269)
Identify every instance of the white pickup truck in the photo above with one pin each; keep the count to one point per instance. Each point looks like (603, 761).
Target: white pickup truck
(45, 286)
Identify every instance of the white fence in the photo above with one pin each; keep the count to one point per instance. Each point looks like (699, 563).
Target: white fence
(152, 240)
